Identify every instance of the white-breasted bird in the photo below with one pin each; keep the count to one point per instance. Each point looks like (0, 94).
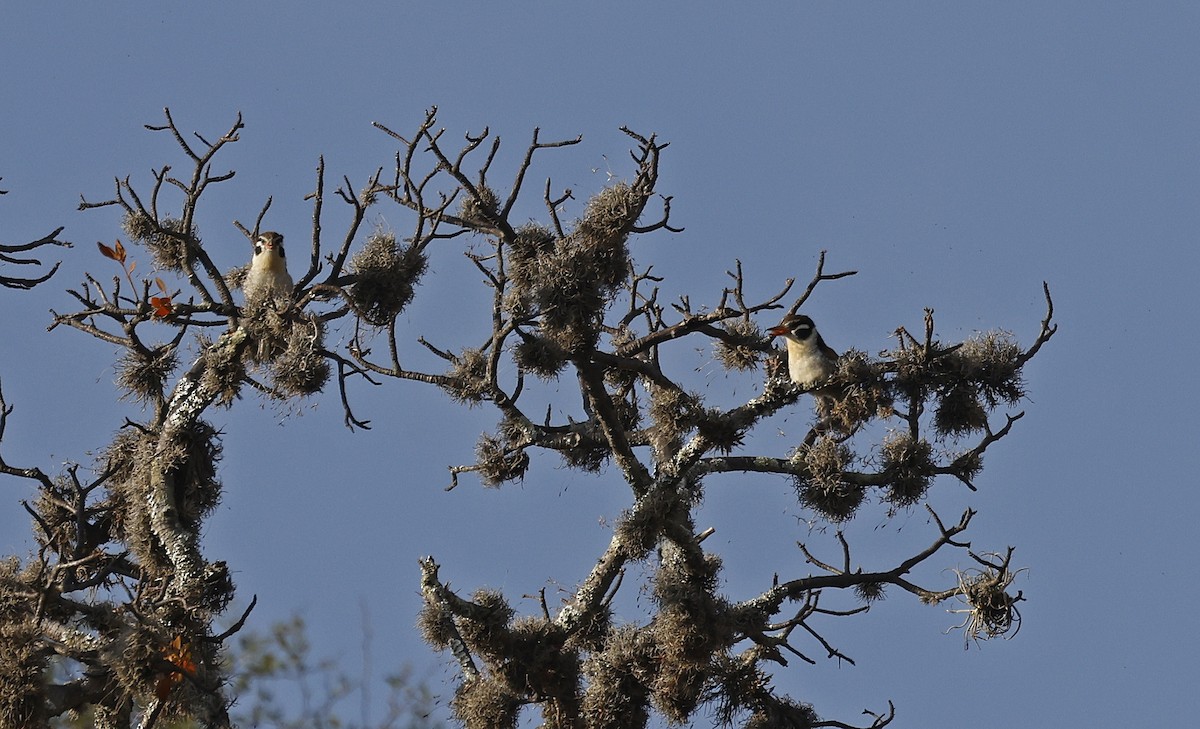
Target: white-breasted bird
(810, 359)
(268, 277)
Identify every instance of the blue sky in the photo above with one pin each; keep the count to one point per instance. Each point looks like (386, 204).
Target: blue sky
(955, 154)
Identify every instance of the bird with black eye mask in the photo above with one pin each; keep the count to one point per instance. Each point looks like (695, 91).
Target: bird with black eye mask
(268, 290)
(268, 278)
(810, 359)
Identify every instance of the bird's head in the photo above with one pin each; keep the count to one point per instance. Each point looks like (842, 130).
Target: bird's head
(794, 326)
(268, 250)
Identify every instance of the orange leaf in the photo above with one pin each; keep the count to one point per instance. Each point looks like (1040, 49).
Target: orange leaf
(161, 305)
(117, 252)
(132, 266)
(179, 654)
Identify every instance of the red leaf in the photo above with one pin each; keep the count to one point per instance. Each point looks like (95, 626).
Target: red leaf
(161, 305)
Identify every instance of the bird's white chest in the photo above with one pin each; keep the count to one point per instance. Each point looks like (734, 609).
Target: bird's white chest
(807, 365)
(267, 282)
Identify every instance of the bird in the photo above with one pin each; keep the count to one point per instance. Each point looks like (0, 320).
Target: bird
(268, 291)
(267, 279)
(810, 359)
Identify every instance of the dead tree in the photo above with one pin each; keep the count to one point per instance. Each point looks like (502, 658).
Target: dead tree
(120, 590)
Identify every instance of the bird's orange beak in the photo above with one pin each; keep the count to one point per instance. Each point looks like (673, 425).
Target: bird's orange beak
(778, 331)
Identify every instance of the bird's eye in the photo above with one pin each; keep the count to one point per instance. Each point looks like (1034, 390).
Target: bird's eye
(258, 249)
(279, 247)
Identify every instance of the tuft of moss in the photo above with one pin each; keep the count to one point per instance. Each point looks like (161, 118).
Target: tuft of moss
(909, 467)
(783, 712)
(224, 368)
(499, 461)
(131, 458)
(133, 656)
(486, 703)
(166, 239)
(570, 281)
(959, 412)
(488, 633)
(690, 629)
(990, 361)
(992, 611)
(142, 374)
(301, 369)
(588, 455)
(870, 591)
(122, 460)
(592, 632)
(744, 347)
(191, 465)
(568, 292)
(739, 684)
(914, 378)
(14, 592)
(673, 414)
(436, 626)
(719, 430)
(235, 277)
(467, 379)
(385, 276)
(481, 210)
(57, 520)
(859, 393)
(639, 530)
(23, 666)
(610, 216)
(539, 662)
(531, 244)
(617, 691)
(967, 465)
(824, 487)
(218, 587)
(540, 356)
(687, 636)
(268, 324)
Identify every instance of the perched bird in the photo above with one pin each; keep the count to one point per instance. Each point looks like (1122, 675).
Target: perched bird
(267, 279)
(810, 359)
(268, 291)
